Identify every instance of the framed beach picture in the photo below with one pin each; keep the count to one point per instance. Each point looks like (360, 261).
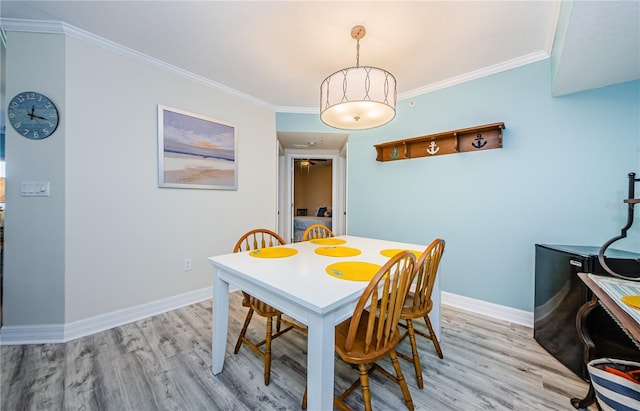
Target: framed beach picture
(195, 151)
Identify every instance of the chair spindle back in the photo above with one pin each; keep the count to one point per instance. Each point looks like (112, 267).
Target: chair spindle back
(316, 231)
(425, 276)
(259, 238)
(385, 296)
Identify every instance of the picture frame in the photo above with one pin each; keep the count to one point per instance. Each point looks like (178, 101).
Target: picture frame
(195, 151)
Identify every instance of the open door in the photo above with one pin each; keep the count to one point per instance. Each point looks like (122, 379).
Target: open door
(313, 197)
(312, 194)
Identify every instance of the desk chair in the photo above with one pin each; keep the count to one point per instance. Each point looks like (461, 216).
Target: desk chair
(316, 231)
(372, 332)
(261, 238)
(419, 303)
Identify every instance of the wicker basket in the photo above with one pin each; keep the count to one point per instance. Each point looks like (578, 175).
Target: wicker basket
(616, 384)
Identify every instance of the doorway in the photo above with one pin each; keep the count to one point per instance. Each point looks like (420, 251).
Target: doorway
(307, 188)
(312, 194)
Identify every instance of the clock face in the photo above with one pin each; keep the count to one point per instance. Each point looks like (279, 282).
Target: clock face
(33, 115)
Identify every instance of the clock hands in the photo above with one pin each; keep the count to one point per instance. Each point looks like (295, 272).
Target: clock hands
(32, 115)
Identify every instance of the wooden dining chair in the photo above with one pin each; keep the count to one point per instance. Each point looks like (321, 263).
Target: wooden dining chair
(419, 304)
(316, 231)
(372, 332)
(261, 238)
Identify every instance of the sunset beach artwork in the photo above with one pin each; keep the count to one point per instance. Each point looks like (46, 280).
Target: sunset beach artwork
(195, 151)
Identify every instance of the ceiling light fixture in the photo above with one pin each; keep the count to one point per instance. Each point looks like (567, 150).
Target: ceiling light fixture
(305, 163)
(360, 97)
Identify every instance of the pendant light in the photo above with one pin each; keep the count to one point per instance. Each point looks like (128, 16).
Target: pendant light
(360, 97)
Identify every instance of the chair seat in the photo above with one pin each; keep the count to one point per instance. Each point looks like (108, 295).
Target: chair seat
(409, 312)
(262, 308)
(358, 354)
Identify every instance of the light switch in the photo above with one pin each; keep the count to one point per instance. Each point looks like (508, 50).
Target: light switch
(35, 189)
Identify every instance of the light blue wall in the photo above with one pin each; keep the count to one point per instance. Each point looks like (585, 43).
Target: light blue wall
(560, 178)
(310, 123)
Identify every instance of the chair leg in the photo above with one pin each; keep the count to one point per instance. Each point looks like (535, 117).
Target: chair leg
(401, 380)
(304, 399)
(364, 383)
(415, 355)
(434, 338)
(247, 320)
(267, 351)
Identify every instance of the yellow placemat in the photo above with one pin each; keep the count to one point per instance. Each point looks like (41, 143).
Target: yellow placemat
(338, 251)
(393, 251)
(632, 301)
(328, 241)
(353, 270)
(273, 252)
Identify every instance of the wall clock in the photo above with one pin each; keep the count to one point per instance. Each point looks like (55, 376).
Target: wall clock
(33, 115)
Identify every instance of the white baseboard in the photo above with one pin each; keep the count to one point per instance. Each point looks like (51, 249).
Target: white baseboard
(500, 312)
(31, 334)
(59, 333)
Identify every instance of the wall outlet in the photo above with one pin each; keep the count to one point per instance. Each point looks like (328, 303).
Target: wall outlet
(187, 264)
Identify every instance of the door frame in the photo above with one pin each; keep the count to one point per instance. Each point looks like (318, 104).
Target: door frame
(338, 183)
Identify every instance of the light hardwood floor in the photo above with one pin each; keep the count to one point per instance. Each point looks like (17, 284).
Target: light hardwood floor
(164, 363)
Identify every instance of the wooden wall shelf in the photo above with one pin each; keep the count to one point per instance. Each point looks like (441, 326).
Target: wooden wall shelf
(477, 138)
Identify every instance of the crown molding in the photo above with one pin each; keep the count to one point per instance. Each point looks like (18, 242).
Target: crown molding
(57, 27)
(33, 26)
(463, 78)
(474, 75)
(298, 110)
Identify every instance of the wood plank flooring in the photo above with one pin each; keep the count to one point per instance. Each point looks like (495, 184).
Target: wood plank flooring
(164, 363)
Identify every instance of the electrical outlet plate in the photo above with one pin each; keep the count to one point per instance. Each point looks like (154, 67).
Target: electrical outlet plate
(187, 264)
(34, 189)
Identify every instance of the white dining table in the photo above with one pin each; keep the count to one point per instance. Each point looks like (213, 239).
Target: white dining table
(300, 287)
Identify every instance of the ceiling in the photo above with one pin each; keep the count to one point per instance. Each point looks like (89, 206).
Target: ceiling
(278, 52)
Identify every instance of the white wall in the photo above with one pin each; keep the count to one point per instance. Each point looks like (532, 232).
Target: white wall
(34, 260)
(113, 239)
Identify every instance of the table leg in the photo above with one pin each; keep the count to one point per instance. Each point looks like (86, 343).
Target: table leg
(220, 320)
(585, 336)
(320, 363)
(435, 314)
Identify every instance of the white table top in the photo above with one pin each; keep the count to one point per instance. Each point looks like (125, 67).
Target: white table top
(300, 287)
(302, 278)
